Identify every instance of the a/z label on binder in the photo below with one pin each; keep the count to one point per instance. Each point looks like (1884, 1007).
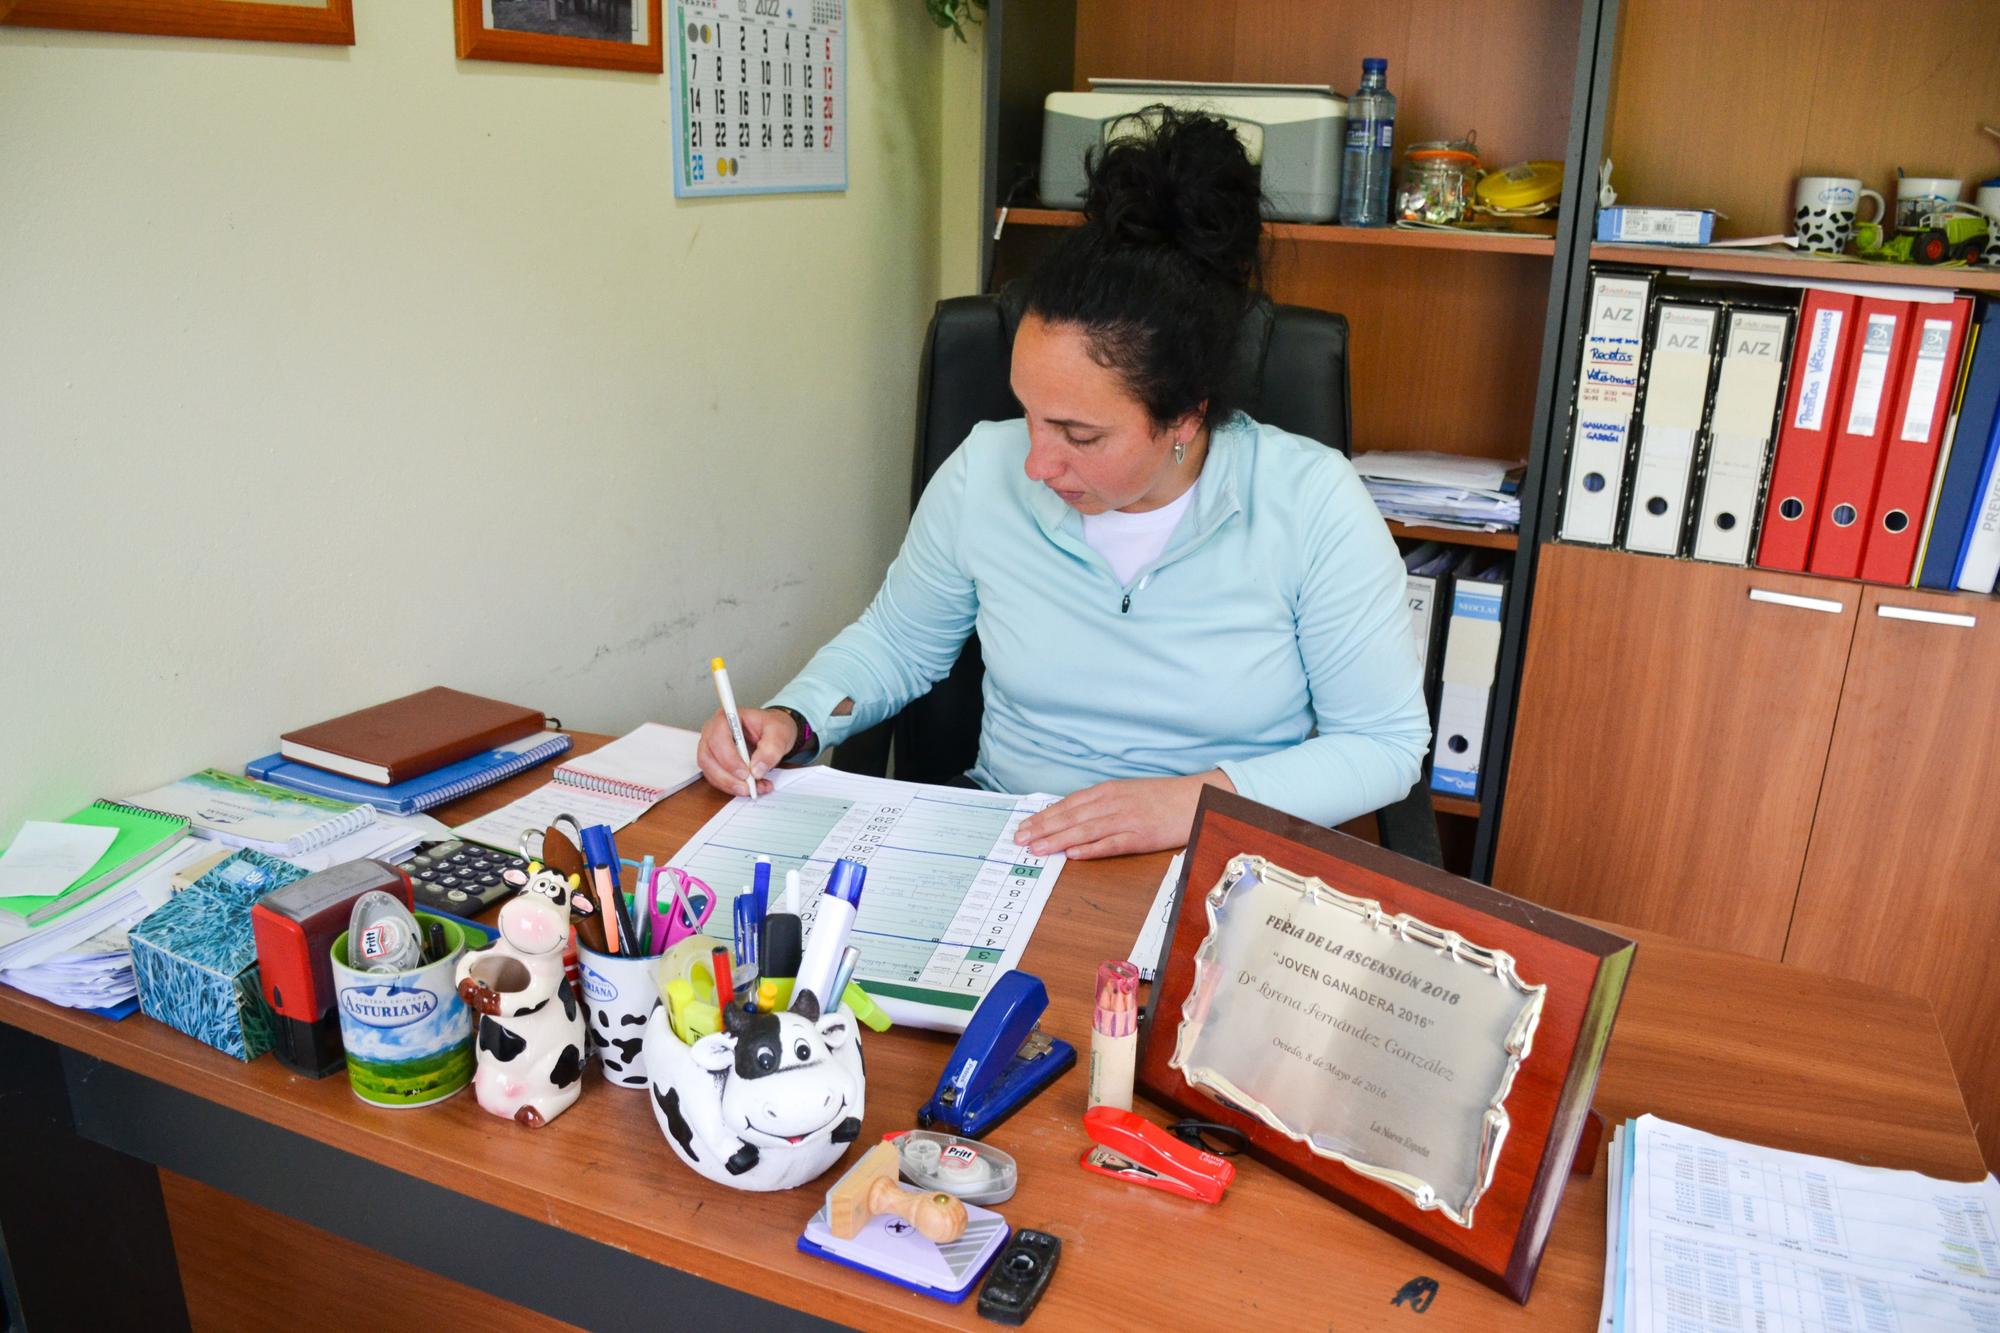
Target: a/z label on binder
(1676, 401)
(1607, 387)
(759, 95)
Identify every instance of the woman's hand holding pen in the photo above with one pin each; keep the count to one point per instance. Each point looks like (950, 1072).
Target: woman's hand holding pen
(771, 735)
(1118, 818)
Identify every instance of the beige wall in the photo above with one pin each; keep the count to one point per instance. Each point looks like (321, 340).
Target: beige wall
(328, 374)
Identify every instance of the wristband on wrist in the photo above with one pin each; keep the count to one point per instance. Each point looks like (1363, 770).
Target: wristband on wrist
(807, 744)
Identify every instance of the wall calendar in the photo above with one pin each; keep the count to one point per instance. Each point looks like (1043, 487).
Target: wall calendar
(760, 96)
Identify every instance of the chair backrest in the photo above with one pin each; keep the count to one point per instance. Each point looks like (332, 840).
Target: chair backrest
(1291, 364)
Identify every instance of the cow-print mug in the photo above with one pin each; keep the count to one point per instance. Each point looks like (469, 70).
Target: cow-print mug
(618, 995)
(1824, 210)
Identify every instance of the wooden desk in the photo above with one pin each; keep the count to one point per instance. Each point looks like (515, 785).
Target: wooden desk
(1733, 1045)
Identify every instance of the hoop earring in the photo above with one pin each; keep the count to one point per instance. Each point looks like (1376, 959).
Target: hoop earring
(1180, 451)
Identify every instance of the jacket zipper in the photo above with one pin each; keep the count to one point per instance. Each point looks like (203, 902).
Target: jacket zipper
(1125, 604)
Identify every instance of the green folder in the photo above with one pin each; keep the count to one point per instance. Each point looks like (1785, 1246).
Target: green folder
(142, 835)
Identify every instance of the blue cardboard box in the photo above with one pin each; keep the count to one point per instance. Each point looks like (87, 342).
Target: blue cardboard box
(195, 958)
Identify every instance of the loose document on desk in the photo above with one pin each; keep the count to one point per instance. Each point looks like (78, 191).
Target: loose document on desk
(950, 901)
(1708, 1233)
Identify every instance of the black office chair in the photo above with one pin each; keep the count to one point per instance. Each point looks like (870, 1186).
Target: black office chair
(1292, 362)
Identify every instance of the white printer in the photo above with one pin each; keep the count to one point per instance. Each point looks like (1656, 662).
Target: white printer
(1294, 134)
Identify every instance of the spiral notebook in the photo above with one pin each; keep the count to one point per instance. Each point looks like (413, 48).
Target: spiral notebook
(243, 812)
(613, 785)
(142, 835)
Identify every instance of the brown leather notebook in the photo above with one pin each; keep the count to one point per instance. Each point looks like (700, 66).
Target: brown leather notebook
(408, 737)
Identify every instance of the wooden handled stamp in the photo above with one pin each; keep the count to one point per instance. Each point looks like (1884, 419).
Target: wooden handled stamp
(871, 1189)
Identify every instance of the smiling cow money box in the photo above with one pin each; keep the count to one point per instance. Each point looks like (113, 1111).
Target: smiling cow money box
(768, 1103)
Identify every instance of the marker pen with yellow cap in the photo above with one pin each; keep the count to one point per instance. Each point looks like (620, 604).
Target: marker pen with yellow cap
(720, 670)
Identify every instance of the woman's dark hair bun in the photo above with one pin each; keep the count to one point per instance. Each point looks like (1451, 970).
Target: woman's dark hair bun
(1180, 178)
(1166, 263)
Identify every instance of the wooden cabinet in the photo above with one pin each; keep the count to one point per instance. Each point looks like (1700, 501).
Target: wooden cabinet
(1902, 878)
(1674, 720)
(1796, 768)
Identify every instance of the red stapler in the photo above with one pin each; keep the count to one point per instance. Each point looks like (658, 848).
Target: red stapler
(1132, 1148)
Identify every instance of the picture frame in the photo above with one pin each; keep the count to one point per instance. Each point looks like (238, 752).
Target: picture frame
(327, 23)
(500, 39)
(1580, 969)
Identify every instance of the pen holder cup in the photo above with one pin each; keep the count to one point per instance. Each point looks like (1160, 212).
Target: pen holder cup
(408, 1035)
(618, 995)
(769, 1103)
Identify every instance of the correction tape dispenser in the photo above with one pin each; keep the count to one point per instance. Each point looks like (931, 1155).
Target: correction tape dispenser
(967, 1169)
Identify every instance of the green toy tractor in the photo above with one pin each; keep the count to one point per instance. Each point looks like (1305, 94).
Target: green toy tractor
(1953, 234)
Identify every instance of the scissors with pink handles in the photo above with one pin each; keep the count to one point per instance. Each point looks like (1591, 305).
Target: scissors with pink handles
(668, 923)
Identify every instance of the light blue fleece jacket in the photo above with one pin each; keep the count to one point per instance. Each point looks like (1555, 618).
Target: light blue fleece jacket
(1271, 639)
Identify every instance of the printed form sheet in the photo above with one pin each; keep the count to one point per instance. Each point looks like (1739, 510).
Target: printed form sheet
(950, 901)
(1723, 1235)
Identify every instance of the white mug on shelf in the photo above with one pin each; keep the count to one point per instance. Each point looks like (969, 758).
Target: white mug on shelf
(1988, 200)
(1917, 196)
(1824, 209)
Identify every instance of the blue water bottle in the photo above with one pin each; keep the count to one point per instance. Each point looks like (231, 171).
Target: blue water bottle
(1371, 136)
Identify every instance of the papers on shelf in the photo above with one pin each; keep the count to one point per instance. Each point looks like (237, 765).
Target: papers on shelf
(951, 900)
(1422, 468)
(1442, 490)
(1705, 1232)
(1146, 949)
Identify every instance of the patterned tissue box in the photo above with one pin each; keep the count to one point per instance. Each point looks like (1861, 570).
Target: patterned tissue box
(196, 960)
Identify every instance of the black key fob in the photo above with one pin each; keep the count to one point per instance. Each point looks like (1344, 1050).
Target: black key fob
(1019, 1277)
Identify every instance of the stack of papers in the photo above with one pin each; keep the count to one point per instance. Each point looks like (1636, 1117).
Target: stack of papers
(1707, 1233)
(1443, 490)
(82, 958)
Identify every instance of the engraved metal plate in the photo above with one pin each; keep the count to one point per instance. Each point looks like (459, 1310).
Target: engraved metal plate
(1376, 1040)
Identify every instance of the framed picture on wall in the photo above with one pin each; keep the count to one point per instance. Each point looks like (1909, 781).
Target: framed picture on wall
(330, 22)
(597, 34)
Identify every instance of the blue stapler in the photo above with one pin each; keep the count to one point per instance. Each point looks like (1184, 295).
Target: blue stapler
(1002, 1060)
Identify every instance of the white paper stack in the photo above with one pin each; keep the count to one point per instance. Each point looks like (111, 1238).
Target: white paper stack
(1704, 1232)
(1442, 490)
(82, 958)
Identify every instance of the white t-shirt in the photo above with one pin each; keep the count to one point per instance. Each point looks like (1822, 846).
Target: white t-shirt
(1130, 542)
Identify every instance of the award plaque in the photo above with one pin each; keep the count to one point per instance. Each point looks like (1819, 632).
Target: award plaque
(1418, 1047)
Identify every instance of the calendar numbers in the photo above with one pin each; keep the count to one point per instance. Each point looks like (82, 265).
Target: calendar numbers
(757, 106)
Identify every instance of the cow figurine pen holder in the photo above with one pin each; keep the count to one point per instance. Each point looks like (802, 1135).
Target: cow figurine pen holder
(768, 1103)
(531, 1025)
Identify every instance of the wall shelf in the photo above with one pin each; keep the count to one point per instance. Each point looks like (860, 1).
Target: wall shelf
(1454, 805)
(1800, 268)
(1525, 242)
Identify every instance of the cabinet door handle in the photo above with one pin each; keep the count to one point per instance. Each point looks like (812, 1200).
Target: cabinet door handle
(1794, 600)
(1927, 617)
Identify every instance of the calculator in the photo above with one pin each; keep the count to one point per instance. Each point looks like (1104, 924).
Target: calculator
(460, 877)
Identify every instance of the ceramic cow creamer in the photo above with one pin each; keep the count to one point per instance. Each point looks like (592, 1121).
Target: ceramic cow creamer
(531, 1026)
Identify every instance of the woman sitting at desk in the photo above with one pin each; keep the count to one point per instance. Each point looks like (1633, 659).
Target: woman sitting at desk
(1167, 593)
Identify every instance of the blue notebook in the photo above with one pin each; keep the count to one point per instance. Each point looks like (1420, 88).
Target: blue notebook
(418, 794)
(1965, 471)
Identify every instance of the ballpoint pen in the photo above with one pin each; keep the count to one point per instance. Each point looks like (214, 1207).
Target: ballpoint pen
(720, 670)
(642, 893)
